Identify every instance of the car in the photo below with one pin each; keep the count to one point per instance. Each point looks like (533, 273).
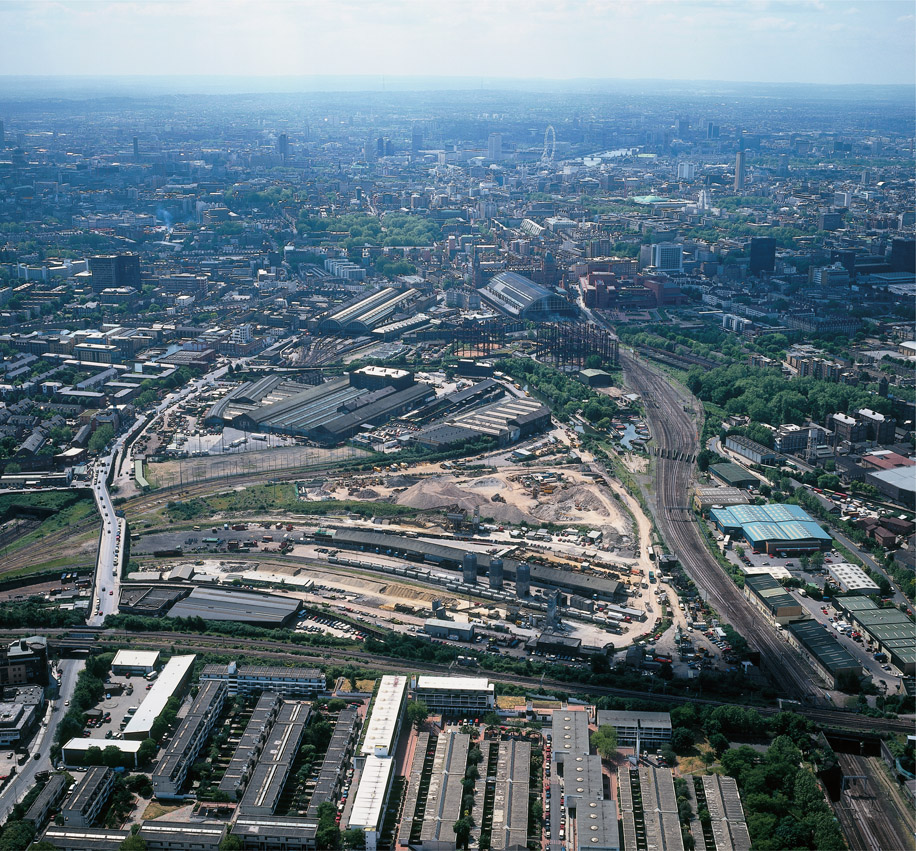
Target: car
(111, 593)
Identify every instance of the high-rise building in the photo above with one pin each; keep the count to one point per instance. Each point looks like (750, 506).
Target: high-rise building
(763, 255)
(283, 146)
(686, 171)
(416, 139)
(369, 150)
(115, 270)
(903, 255)
(495, 146)
(668, 257)
(136, 148)
(739, 171)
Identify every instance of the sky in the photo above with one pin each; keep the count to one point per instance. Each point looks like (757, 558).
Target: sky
(804, 41)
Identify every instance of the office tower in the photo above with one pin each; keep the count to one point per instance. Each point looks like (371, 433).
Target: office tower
(683, 127)
(369, 150)
(380, 146)
(668, 257)
(763, 255)
(136, 148)
(115, 270)
(712, 130)
(903, 255)
(686, 171)
(283, 146)
(739, 171)
(783, 169)
(416, 139)
(495, 146)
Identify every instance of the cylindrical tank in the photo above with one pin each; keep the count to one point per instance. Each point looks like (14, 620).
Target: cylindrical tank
(552, 605)
(523, 580)
(469, 568)
(496, 573)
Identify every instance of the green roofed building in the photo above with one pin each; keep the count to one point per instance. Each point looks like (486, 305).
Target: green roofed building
(822, 650)
(734, 475)
(764, 592)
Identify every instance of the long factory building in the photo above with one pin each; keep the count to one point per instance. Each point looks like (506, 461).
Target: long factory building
(452, 558)
(648, 809)
(576, 774)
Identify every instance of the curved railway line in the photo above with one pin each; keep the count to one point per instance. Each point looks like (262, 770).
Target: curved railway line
(676, 437)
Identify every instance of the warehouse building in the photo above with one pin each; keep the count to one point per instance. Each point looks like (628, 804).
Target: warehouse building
(253, 395)
(89, 796)
(777, 528)
(650, 729)
(368, 809)
(753, 451)
(706, 498)
(276, 761)
(250, 745)
(850, 578)
(768, 595)
(585, 585)
(172, 681)
(822, 651)
(734, 476)
(127, 663)
(506, 421)
(248, 679)
(898, 484)
(224, 604)
(521, 298)
(362, 315)
(192, 735)
(453, 696)
(457, 629)
(386, 711)
(889, 629)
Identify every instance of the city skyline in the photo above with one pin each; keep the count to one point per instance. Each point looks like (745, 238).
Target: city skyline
(764, 42)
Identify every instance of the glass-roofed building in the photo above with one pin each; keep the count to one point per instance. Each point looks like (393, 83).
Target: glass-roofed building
(522, 298)
(777, 528)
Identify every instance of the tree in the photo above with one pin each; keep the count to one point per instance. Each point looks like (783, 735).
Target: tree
(354, 838)
(462, 829)
(230, 842)
(133, 843)
(112, 756)
(719, 744)
(17, 835)
(681, 739)
(147, 751)
(101, 437)
(604, 740)
(417, 713)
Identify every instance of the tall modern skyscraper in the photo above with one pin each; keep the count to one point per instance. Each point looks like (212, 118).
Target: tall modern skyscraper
(416, 139)
(668, 257)
(495, 146)
(739, 171)
(283, 146)
(115, 270)
(686, 171)
(136, 148)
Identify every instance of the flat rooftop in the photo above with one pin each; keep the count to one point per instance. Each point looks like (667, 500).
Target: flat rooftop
(166, 684)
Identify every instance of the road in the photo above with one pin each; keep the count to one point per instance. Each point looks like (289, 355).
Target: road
(675, 435)
(107, 586)
(44, 738)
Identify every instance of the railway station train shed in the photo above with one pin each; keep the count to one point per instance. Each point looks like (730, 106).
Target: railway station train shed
(368, 312)
(775, 528)
(522, 298)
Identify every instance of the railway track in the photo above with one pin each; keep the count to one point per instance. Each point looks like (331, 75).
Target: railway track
(676, 436)
(292, 654)
(868, 811)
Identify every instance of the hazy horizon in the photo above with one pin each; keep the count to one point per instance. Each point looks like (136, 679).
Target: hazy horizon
(773, 42)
